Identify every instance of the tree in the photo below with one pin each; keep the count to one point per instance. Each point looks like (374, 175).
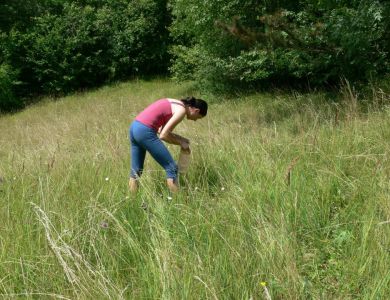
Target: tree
(253, 42)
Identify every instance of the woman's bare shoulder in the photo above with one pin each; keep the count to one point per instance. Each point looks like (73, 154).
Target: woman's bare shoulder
(177, 108)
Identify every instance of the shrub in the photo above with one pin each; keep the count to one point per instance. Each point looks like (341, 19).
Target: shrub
(243, 43)
(89, 43)
(8, 99)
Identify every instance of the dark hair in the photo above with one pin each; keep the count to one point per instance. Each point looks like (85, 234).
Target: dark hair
(196, 103)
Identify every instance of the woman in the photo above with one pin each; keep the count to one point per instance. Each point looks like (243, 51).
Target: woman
(161, 117)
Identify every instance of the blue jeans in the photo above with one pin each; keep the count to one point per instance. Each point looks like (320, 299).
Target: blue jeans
(144, 138)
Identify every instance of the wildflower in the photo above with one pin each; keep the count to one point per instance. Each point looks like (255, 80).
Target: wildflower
(169, 198)
(267, 295)
(222, 189)
(104, 224)
(107, 178)
(66, 232)
(144, 205)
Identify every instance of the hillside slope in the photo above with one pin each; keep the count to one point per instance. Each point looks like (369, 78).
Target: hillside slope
(287, 189)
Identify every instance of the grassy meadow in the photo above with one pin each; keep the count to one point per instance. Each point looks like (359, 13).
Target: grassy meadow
(288, 189)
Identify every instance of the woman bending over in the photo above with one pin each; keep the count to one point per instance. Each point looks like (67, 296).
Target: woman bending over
(161, 117)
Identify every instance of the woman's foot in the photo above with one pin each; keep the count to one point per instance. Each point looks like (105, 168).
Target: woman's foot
(172, 186)
(133, 185)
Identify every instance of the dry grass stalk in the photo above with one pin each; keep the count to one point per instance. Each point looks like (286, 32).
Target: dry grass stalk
(51, 162)
(287, 176)
(80, 274)
(350, 100)
(31, 295)
(337, 116)
(379, 98)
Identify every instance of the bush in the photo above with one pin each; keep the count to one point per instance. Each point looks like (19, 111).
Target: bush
(89, 43)
(8, 100)
(244, 43)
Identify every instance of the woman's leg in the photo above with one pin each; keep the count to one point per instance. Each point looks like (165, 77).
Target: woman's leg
(145, 138)
(161, 154)
(137, 158)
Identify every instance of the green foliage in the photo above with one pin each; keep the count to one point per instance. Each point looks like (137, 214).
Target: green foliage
(87, 46)
(8, 99)
(59, 46)
(203, 46)
(20, 13)
(244, 42)
(87, 43)
(67, 51)
(358, 34)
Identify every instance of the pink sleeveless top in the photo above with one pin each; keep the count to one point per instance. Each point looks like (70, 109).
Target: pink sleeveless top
(156, 114)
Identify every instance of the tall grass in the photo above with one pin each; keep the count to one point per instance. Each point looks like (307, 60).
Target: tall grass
(287, 189)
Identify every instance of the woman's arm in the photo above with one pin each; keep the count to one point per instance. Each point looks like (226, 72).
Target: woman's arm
(175, 139)
(168, 136)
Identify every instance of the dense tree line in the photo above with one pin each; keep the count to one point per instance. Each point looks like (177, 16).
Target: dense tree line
(58, 46)
(55, 47)
(242, 43)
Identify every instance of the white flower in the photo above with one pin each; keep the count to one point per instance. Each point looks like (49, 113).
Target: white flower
(107, 178)
(169, 198)
(222, 189)
(104, 224)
